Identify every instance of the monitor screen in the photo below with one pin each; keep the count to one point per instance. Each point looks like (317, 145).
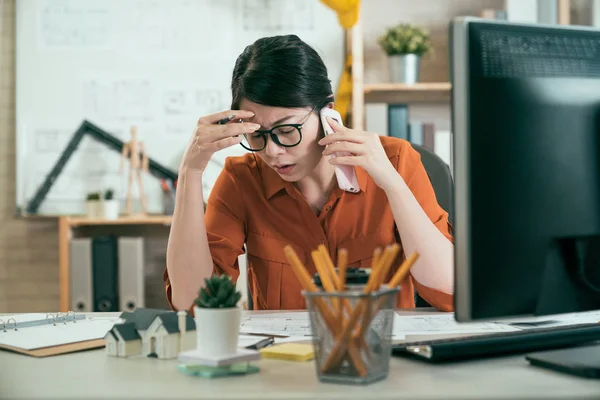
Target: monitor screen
(526, 124)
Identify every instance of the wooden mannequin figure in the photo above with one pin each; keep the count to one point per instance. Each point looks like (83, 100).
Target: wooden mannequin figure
(138, 161)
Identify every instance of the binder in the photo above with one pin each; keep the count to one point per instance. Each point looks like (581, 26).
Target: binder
(429, 136)
(43, 335)
(415, 132)
(81, 275)
(398, 121)
(105, 274)
(131, 273)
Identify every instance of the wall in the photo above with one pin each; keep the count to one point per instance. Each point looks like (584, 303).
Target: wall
(28, 249)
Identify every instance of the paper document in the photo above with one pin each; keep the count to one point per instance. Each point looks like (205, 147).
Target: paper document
(442, 324)
(294, 324)
(586, 317)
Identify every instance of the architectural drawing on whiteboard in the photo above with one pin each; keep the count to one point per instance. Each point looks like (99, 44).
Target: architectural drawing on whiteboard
(75, 23)
(194, 103)
(119, 99)
(176, 102)
(180, 127)
(210, 101)
(50, 140)
(277, 15)
(161, 25)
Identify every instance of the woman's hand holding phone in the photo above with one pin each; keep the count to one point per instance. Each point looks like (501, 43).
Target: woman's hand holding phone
(363, 149)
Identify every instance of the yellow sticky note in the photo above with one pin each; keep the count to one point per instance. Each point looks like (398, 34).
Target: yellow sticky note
(289, 352)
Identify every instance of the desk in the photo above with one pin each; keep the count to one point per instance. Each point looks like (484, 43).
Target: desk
(93, 374)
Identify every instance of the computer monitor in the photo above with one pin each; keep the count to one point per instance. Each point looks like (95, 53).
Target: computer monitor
(526, 124)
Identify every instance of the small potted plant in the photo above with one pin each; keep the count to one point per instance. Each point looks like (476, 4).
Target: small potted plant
(94, 205)
(110, 205)
(405, 45)
(217, 317)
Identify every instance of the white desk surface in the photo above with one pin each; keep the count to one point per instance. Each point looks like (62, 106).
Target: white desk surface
(93, 374)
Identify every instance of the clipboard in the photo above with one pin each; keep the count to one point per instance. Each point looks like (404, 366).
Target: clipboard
(43, 335)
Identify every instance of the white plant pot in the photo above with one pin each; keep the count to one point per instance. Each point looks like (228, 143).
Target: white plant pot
(110, 209)
(217, 331)
(94, 208)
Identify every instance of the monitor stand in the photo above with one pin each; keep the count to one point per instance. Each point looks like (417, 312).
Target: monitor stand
(580, 361)
(571, 283)
(571, 280)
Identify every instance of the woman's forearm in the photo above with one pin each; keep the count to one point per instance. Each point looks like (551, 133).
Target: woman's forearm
(435, 266)
(188, 256)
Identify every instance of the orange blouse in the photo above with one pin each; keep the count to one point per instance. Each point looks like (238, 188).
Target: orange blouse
(251, 209)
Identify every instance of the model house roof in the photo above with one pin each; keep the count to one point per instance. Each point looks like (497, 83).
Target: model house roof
(143, 317)
(127, 331)
(171, 323)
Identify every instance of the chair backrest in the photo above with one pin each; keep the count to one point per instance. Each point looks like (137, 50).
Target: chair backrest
(440, 177)
(443, 186)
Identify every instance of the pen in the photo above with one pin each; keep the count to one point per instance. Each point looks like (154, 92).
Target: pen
(263, 334)
(226, 119)
(262, 344)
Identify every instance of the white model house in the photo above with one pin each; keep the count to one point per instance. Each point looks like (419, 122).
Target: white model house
(152, 333)
(123, 340)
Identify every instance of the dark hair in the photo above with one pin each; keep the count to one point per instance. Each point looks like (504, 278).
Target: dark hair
(281, 71)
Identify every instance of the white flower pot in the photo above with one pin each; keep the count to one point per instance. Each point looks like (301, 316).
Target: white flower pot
(217, 330)
(94, 208)
(404, 68)
(110, 209)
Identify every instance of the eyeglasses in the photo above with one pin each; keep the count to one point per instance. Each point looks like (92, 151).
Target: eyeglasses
(285, 135)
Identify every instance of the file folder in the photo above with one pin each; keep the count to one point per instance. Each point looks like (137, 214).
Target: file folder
(81, 296)
(131, 273)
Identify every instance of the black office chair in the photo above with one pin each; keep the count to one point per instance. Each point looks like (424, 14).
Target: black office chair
(440, 178)
(443, 186)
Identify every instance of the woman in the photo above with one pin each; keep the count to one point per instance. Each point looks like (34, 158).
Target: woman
(285, 191)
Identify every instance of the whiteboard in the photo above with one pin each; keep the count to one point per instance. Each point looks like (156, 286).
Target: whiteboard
(155, 64)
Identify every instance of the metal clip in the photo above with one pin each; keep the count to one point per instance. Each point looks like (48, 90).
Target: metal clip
(8, 322)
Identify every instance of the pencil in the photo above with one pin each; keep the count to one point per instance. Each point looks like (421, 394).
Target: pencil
(302, 274)
(398, 277)
(402, 272)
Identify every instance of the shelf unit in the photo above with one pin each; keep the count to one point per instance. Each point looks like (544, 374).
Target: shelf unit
(362, 93)
(424, 92)
(66, 226)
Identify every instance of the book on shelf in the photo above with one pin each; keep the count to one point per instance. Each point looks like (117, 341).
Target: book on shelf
(394, 120)
(490, 13)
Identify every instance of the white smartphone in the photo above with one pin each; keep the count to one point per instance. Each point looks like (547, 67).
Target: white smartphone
(345, 174)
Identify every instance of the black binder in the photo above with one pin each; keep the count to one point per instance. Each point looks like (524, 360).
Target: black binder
(105, 261)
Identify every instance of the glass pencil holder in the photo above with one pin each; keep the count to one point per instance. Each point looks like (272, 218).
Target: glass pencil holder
(352, 334)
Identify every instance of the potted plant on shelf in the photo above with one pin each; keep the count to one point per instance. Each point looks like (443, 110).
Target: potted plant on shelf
(110, 205)
(94, 205)
(217, 317)
(405, 45)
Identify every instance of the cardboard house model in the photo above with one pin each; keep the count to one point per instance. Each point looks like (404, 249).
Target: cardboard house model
(152, 333)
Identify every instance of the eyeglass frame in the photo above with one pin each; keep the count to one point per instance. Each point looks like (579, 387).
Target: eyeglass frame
(273, 136)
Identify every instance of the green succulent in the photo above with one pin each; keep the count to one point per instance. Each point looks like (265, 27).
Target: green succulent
(109, 194)
(218, 292)
(93, 196)
(405, 39)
